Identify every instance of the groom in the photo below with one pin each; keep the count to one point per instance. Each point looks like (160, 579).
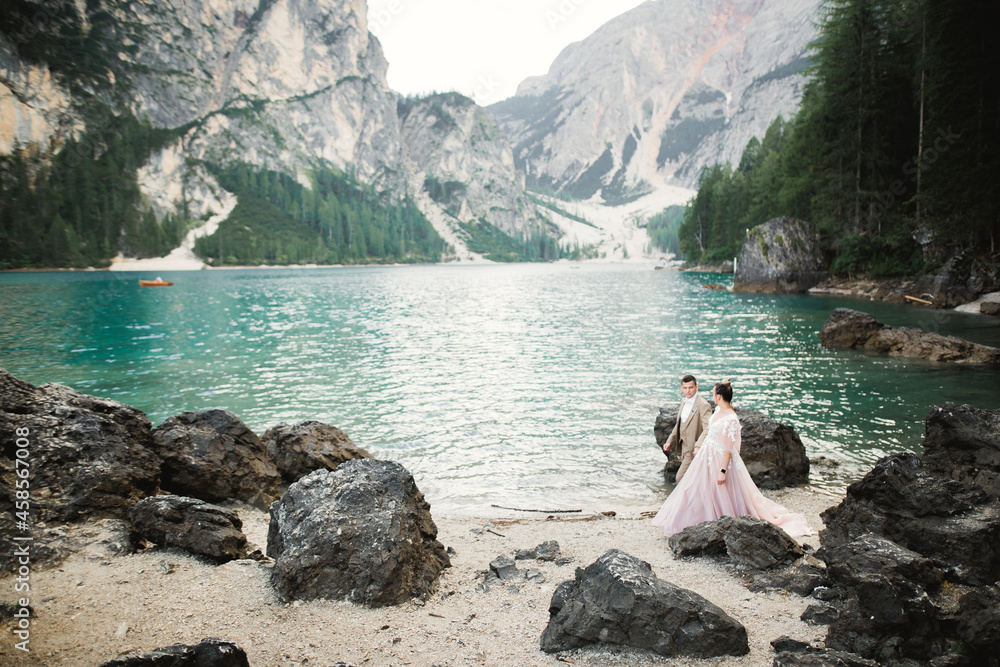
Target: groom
(691, 426)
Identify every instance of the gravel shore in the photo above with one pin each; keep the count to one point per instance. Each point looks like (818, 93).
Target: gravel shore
(95, 607)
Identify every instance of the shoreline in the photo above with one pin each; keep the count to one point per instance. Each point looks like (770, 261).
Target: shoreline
(95, 607)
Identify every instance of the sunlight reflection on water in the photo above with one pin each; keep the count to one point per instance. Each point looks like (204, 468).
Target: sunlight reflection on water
(526, 386)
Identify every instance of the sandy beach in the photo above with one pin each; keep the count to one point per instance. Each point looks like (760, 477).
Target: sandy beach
(97, 606)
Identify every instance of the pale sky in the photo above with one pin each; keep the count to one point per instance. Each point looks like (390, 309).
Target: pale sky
(481, 48)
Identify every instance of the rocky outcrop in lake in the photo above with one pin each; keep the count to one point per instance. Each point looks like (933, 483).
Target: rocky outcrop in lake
(362, 533)
(781, 256)
(852, 329)
(618, 600)
(773, 452)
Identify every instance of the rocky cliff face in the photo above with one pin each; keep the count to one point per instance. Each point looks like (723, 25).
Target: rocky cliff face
(458, 154)
(658, 93)
(288, 85)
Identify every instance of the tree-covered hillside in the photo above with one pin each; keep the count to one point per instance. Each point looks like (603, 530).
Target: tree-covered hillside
(897, 143)
(337, 221)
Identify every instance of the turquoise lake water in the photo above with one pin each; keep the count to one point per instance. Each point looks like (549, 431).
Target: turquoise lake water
(532, 386)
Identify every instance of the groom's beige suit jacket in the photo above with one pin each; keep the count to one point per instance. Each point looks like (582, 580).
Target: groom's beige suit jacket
(691, 432)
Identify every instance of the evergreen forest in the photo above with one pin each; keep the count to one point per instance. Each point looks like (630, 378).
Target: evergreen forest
(894, 154)
(338, 220)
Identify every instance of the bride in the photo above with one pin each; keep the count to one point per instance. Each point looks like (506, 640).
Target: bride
(717, 483)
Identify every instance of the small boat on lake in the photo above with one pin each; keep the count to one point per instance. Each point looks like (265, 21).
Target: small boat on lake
(159, 282)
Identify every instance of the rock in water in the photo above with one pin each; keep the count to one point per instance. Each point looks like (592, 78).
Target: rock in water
(213, 456)
(773, 452)
(361, 533)
(87, 455)
(618, 600)
(298, 450)
(190, 524)
(779, 257)
(846, 328)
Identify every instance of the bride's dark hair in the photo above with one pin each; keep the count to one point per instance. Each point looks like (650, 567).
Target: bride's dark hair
(725, 390)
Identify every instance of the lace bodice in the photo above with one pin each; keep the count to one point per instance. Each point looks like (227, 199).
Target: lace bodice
(724, 435)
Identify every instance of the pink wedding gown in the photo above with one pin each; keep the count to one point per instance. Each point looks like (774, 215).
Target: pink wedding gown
(698, 497)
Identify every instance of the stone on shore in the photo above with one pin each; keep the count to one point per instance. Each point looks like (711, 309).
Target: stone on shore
(914, 546)
(88, 456)
(781, 256)
(963, 443)
(852, 329)
(618, 600)
(889, 614)
(299, 449)
(212, 455)
(208, 653)
(773, 452)
(764, 551)
(956, 524)
(362, 533)
(190, 524)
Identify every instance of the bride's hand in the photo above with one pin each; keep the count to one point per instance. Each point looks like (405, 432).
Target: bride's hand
(720, 478)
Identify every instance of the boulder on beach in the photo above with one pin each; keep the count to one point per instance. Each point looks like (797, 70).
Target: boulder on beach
(773, 452)
(901, 499)
(963, 443)
(853, 329)
(362, 533)
(619, 600)
(190, 524)
(212, 455)
(914, 545)
(749, 543)
(781, 256)
(299, 449)
(87, 456)
(207, 653)
(889, 614)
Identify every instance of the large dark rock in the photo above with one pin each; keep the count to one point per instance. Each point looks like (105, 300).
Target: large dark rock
(190, 524)
(963, 443)
(889, 614)
(852, 329)
(915, 545)
(618, 600)
(213, 456)
(773, 453)
(208, 653)
(820, 657)
(978, 624)
(756, 544)
(953, 523)
(299, 449)
(781, 256)
(770, 558)
(87, 456)
(361, 533)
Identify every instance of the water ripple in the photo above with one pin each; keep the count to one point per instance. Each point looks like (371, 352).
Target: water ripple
(527, 386)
